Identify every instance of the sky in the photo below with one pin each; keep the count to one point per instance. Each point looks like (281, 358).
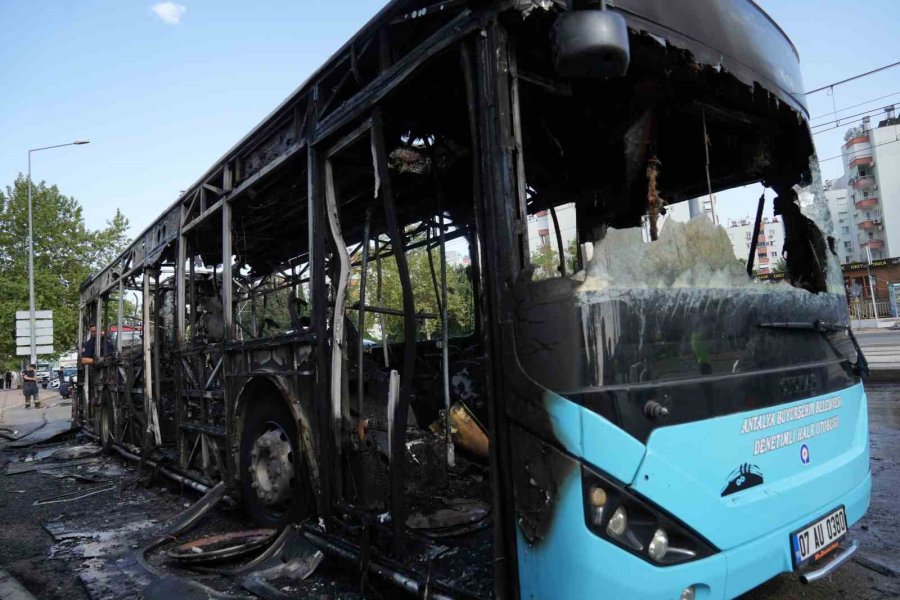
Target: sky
(163, 90)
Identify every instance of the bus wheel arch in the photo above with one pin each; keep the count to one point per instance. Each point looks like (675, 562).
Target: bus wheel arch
(273, 452)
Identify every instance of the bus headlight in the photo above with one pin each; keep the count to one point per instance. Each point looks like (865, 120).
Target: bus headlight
(659, 545)
(618, 523)
(597, 500)
(616, 514)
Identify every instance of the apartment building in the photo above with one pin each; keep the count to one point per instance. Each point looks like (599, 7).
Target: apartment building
(769, 244)
(843, 218)
(541, 231)
(872, 171)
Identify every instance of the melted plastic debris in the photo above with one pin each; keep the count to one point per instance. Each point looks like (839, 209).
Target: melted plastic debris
(696, 254)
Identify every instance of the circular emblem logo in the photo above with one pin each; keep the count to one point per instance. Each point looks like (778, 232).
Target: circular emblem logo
(804, 454)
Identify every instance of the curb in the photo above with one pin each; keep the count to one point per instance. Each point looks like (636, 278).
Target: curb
(11, 589)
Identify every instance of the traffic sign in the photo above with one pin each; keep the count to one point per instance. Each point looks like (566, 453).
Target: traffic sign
(43, 332)
(39, 339)
(38, 314)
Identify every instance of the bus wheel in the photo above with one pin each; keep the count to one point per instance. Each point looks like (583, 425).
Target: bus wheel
(273, 474)
(105, 423)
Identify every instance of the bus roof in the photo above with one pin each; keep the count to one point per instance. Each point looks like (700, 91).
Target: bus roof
(736, 35)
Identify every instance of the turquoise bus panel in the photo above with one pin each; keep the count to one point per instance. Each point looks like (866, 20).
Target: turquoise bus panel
(738, 477)
(589, 436)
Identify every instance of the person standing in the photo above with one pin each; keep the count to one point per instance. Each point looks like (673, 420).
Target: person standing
(89, 347)
(29, 387)
(9, 380)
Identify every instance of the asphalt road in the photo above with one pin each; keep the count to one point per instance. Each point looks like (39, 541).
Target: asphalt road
(53, 549)
(882, 350)
(878, 339)
(875, 573)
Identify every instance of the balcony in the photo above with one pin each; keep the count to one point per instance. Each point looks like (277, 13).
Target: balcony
(872, 244)
(862, 161)
(861, 183)
(860, 139)
(868, 224)
(866, 203)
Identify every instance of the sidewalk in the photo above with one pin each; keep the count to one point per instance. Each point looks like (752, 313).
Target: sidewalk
(22, 425)
(873, 324)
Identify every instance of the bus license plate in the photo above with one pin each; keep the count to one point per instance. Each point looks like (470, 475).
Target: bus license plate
(815, 541)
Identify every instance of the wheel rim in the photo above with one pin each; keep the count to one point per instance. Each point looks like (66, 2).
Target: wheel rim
(272, 466)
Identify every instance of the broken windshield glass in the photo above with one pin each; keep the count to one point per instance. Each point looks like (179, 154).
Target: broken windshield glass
(677, 308)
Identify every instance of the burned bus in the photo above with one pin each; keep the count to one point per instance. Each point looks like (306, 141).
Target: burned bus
(341, 319)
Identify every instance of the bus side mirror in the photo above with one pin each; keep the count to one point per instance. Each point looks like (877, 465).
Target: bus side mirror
(591, 44)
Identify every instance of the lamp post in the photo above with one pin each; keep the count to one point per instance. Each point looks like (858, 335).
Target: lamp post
(31, 245)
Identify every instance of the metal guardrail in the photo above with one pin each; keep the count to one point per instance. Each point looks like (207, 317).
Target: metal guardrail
(862, 309)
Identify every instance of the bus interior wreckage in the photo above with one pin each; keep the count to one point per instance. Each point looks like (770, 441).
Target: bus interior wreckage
(304, 335)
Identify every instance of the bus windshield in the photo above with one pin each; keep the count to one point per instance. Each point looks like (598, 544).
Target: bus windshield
(680, 307)
(638, 292)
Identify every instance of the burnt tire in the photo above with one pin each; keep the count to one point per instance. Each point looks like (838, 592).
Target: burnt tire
(106, 423)
(269, 504)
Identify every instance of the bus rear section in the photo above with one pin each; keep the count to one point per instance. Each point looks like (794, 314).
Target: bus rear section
(680, 427)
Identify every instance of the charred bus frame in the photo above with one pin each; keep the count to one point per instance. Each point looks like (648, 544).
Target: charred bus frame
(250, 228)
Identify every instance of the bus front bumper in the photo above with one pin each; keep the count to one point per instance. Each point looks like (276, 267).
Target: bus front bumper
(572, 562)
(757, 561)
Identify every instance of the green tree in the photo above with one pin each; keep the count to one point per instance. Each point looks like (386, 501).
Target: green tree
(780, 266)
(66, 253)
(572, 256)
(460, 295)
(546, 261)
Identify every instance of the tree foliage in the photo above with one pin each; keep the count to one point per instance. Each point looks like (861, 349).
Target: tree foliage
(460, 296)
(546, 260)
(66, 252)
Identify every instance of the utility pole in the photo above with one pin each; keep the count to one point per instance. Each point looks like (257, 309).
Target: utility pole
(31, 247)
(871, 280)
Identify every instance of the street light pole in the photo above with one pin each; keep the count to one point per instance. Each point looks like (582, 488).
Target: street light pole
(871, 286)
(31, 247)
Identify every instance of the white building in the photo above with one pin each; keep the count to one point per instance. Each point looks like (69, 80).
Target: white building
(541, 231)
(843, 221)
(769, 244)
(872, 171)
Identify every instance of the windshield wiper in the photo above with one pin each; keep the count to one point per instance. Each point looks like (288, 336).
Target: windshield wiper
(820, 326)
(823, 327)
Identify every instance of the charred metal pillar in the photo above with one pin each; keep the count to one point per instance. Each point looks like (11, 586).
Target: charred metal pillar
(120, 317)
(150, 410)
(341, 279)
(180, 283)
(180, 311)
(319, 313)
(401, 413)
(98, 352)
(361, 317)
(227, 291)
(157, 338)
(227, 266)
(500, 173)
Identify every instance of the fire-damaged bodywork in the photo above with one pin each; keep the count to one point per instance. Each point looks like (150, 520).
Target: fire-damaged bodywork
(736, 36)
(272, 357)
